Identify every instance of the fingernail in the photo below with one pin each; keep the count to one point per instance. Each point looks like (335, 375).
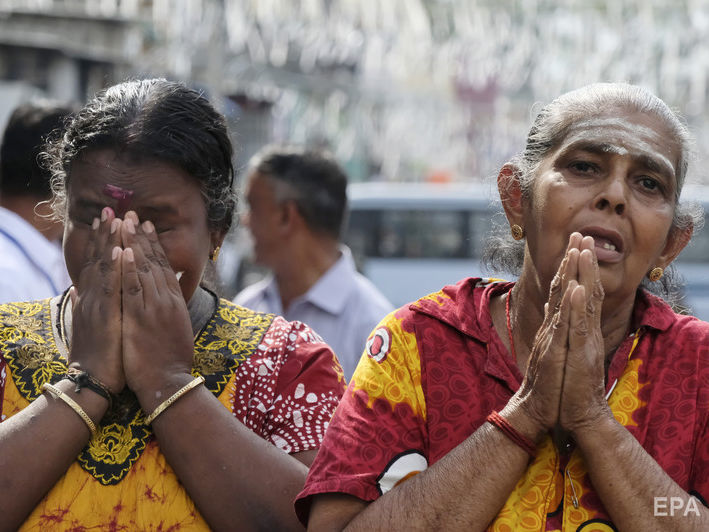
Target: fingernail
(114, 225)
(94, 224)
(116, 251)
(129, 225)
(129, 254)
(104, 214)
(148, 227)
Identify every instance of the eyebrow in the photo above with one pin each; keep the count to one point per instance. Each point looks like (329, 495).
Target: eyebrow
(602, 148)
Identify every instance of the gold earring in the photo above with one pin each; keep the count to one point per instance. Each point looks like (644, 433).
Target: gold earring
(214, 255)
(655, 274)
(517, 232)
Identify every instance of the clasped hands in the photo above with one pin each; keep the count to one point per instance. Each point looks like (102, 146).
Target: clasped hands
(130, 324)
(564, 385)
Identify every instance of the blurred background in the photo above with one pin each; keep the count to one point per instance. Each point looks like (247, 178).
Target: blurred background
(425, 91)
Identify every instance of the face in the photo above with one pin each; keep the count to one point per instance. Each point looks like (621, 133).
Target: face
(612, 178)
(162, 193)
(264, 219)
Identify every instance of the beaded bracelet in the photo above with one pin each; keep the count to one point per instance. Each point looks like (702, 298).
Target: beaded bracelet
(56, 392)
(174, 397)
(512, 433)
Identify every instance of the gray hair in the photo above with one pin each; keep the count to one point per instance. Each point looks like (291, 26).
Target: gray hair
(551, 126)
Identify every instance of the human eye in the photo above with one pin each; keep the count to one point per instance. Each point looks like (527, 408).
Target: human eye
(583, 167)
(650, 185)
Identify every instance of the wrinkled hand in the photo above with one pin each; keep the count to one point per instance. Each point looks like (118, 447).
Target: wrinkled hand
(157, 334)
(583, 396)
(96, 302)
(541, 391)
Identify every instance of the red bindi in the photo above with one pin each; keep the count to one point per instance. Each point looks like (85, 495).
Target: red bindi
(122, 196)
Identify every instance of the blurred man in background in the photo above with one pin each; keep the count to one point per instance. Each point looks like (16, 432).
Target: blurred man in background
(297, 204)
(31, 259)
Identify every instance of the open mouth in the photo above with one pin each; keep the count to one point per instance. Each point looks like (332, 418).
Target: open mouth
(608, 244)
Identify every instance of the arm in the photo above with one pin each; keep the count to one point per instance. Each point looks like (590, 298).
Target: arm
(626, 478)
(629, 479)
(232, 474)
(463, 490)
(38, 444)
(468, 486)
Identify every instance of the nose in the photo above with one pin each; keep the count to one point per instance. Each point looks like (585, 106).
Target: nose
(613, 194)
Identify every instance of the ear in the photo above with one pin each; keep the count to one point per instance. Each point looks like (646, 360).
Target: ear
(290, 216)
(216, 237)
(510, 193)
(677, 239)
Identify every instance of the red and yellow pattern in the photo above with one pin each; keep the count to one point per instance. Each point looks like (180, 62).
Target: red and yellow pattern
(447, 369)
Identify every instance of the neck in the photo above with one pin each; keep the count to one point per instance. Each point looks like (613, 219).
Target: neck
(527, 314)
(306, 261)
(201, 306)
(37, 212)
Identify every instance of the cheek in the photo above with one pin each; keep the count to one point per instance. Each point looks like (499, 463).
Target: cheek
(75, 251)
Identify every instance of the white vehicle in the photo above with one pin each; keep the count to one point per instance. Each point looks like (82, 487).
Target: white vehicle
(411, 239)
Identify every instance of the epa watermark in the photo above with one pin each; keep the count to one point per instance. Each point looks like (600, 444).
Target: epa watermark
(672, 506)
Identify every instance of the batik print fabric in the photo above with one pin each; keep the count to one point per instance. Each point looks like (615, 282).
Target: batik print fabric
(437, 368)
(277, 377)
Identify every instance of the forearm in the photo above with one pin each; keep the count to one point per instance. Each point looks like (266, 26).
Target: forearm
(464, 490)
(233, 475)
(37, 446)
(628, 481)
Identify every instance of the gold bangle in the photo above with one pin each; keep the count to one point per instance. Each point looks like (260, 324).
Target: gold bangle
(56, 392)
(174, 397)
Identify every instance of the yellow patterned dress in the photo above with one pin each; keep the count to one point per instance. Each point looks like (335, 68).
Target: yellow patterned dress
(277, 377)
(434, 370)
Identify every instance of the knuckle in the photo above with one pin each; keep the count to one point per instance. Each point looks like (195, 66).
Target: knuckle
(105, 267)
(134, 290)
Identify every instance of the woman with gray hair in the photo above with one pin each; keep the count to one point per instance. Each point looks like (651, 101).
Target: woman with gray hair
(573, 399)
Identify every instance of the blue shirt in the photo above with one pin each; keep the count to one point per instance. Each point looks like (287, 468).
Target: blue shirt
(343, 307)
(31, 267)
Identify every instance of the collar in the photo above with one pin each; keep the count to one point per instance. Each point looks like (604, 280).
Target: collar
(465, 306)
(331, 291)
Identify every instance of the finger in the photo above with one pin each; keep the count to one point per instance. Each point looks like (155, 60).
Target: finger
(579, 323)
(103, 231)
(142, 264)
(571, 272)
(169, 275)
(560, 280)
(132, 293)
(590, 278)
(95, 249)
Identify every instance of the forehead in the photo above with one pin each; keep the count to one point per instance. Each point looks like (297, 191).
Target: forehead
(641, 135)
(95, 174)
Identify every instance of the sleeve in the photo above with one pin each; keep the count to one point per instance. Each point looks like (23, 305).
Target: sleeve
(377, 437)
(307, 390)
(699, 481)
(699, 473)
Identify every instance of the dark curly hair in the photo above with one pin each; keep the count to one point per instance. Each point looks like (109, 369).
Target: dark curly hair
(152, 119)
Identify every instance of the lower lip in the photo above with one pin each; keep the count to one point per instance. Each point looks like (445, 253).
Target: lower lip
(607, 255)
